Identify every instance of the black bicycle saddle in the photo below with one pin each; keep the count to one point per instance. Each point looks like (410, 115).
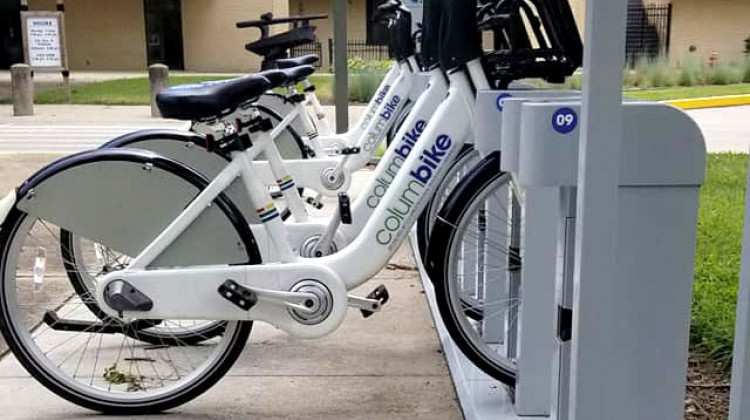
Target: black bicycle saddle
(207, 100)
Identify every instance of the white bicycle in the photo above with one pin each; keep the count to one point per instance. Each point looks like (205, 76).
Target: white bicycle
(205, 100)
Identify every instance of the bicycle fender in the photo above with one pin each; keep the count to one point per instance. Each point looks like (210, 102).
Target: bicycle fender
(189, 149)
(124, 198)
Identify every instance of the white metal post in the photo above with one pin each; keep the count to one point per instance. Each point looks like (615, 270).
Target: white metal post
(536, 338)
(341, 79)
(739, 407)
(599, 378)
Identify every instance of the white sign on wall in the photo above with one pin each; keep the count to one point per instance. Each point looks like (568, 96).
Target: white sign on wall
(44, 42)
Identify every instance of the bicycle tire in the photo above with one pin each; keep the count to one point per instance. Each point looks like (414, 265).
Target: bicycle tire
(442, 256)
(465, 160)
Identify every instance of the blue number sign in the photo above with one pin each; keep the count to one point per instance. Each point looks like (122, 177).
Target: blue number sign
(564, 120)
(500, 98)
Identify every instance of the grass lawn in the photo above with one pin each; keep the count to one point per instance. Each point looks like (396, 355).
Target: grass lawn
(717, 261)
(664, 94)
(135, 91)
(111, 92)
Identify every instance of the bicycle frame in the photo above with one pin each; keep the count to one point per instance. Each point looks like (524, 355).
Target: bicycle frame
(191, 292)
(385, 172)
(328, 143)
(369, 133)
(320, 117)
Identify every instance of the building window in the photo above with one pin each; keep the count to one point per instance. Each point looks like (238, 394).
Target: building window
(648, 31)
(164, 33)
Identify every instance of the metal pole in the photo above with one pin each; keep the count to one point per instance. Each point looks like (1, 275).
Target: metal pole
(158, 78)
(739, 406)
(22, 85)
(600, 380)
(341, 91)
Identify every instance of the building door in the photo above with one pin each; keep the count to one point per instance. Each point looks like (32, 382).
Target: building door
(11, 42)
(164, 33)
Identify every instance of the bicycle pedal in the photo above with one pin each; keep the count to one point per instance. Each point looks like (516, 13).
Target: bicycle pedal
(380, 295)
(238, 294)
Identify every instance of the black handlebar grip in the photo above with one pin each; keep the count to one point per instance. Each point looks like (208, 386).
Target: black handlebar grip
(403, 43)
(391, 6)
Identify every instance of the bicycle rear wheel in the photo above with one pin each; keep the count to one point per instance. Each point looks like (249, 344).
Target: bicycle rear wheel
(474, 261)
(100, 362)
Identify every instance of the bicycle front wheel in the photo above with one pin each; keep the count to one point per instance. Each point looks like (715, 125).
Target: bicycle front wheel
(474, 261)
(466, 160)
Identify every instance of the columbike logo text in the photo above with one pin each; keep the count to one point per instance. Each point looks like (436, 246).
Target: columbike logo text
(378, 100)
(394, 164)
(374, 137)
(399, 213)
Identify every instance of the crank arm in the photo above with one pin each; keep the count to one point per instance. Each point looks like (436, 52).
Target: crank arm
(247, 297)
(372, 303)
(364, 304)
(303, 302)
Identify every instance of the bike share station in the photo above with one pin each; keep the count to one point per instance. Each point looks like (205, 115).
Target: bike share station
(597, 257)
(609, 192)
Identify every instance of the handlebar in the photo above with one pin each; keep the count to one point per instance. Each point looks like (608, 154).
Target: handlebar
(267, 20)
(390, 6)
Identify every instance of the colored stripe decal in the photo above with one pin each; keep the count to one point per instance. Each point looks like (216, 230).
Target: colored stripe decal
(285, 183)
(267, 213)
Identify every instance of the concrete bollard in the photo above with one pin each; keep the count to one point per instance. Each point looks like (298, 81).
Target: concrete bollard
(23, 90)
(158, 78)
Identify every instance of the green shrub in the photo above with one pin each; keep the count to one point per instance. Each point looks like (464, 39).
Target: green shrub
(362, 87)
(654, 73)
(725, 74)
(358, 65)
(574, 82)
(692, 72)
(746, 72)
(365, 77)
(661, 74)
(628, 77)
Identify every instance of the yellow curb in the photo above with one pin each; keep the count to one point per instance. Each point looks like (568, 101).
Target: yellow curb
(712, 102)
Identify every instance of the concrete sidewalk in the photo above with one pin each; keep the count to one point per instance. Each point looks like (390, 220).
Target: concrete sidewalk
(388, 366)
(725, 129)
(73, 128)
